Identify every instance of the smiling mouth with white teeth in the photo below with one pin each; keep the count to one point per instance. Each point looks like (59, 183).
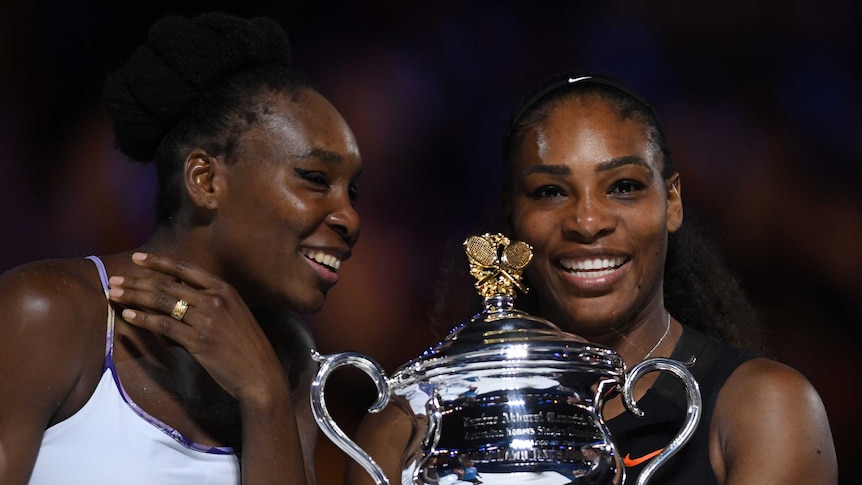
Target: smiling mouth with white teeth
(326, 260)
(592, 268)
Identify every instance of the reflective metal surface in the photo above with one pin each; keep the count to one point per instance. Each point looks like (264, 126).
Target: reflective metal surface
(506, 397)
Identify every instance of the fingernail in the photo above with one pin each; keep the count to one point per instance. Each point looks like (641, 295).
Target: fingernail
(115, 292)
(139, 256)
(116, 280)
(129, 314)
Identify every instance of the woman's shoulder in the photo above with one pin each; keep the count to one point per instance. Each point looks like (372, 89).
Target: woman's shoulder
(52, 335)
(48, 285)
(768, 421)
(767, 379)
(767, 405)
(746, 372)
(49, 297)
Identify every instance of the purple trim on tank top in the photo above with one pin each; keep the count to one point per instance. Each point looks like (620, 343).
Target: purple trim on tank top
(109, 337)
(109, 364)
(176, 435)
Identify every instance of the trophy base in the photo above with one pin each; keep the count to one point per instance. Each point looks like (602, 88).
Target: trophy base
(593, 467)
(604, 476)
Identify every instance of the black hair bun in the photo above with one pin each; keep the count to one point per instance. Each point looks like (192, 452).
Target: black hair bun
(180, 61)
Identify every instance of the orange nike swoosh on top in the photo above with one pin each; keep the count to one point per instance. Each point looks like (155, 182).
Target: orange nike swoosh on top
(629, 461)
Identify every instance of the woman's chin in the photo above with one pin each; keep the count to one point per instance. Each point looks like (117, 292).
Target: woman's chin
(310, 305)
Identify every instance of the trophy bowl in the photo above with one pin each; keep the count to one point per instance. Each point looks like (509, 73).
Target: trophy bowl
(506, 397)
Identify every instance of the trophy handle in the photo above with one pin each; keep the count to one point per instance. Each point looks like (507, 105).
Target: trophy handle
(328, 363)
(693, 411)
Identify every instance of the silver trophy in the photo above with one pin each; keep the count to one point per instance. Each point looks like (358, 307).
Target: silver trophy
(506, 396)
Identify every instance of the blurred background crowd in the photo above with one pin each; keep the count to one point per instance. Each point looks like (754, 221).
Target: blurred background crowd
(760, 101)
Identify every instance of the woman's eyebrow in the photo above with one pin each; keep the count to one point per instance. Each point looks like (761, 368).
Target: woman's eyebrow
(622, 161)
(321, 154)
(546, 169)
(602, 166)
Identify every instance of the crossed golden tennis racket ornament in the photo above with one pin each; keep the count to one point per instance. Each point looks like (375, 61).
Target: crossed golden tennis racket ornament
(497, 263)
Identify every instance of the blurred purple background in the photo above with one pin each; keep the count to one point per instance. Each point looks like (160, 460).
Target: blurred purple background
(760, 102)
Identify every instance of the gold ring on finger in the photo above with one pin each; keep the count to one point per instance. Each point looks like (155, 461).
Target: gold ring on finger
(179, 310)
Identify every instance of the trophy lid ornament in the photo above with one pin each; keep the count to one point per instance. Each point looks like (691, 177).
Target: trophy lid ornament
(498, 264)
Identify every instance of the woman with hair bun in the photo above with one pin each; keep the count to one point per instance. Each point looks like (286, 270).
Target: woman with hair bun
(183, 361)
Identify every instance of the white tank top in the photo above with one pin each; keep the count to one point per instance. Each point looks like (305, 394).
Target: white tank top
(110, 440)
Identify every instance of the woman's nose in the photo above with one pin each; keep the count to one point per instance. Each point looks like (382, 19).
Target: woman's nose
(588, 219)
(345, 221)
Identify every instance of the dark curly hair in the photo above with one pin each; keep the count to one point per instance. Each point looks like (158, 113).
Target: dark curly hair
(699, 290)
(196, 82)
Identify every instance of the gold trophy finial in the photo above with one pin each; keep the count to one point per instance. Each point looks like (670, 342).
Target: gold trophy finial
(497, 263)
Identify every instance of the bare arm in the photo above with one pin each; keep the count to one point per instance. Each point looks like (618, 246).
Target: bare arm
(770, 427)
(44, 350)
(220, 332)
(386, 436)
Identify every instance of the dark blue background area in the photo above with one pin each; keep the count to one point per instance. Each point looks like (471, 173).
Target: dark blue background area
(760, 102)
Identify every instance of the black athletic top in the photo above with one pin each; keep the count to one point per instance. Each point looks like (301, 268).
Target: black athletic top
(664, 408)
